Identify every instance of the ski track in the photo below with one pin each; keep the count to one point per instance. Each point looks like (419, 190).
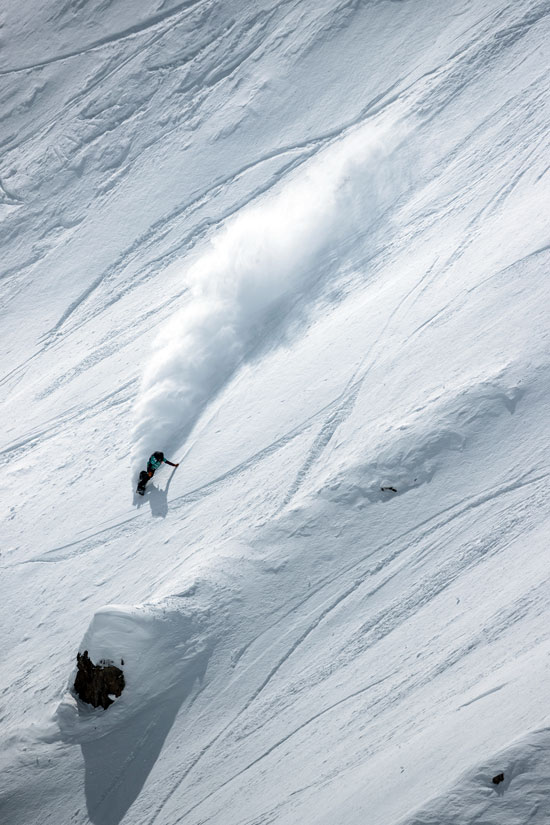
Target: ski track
(166, 224)
(461, 508)
(450, 514)
(473, 229)
(178, 502)
(272, 748)
(307, 147)
(137, 29)
(476, 58)
(153, 249)
(75, 414)
(71, 108)
(426, 591)
(348, 398)
(163, 226)
(205, 197)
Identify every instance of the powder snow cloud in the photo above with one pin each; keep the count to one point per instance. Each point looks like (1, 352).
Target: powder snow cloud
(273, 253)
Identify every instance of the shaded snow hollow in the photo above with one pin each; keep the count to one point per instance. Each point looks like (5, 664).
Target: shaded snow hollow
(302, 250)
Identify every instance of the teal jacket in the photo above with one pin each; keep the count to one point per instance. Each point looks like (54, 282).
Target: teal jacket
(155, 462)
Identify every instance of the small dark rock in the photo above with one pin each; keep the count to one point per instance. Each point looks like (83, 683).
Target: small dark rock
(388, 488)
(498, 779)
(94, 683)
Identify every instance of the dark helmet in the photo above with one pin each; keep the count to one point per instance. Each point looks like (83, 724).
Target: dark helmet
(159, 456)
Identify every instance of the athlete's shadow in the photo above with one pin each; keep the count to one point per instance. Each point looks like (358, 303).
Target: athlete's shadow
(158, 498)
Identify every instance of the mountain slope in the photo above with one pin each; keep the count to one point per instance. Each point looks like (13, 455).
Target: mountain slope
(303, 251)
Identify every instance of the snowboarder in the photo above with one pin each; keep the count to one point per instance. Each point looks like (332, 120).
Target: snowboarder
(152, 466)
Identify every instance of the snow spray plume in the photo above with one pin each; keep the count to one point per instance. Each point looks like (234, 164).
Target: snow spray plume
(256, 267)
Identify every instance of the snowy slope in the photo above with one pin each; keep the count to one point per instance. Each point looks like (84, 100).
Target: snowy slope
(303, 249)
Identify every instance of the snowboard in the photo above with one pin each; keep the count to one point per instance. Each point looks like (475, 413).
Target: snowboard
(143, 479)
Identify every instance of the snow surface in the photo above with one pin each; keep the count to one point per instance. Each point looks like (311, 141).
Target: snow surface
(303, 248)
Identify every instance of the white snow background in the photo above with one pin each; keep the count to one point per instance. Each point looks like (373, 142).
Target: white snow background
(302, 248)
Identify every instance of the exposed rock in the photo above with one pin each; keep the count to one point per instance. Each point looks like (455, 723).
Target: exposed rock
(96, 684)
(498, 778)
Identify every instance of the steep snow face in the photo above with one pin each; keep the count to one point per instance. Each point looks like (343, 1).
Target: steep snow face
(302, 250)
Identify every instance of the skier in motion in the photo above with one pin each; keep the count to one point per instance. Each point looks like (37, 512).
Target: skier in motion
(153, 464)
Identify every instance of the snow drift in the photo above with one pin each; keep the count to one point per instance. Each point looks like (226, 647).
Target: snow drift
(259, 270)
(522, 797)
(163, 650)
(160, 648)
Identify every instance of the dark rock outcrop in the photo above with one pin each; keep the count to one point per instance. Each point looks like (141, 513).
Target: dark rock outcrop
(95, 684)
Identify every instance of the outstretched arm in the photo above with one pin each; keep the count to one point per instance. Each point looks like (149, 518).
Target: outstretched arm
(171, 463)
